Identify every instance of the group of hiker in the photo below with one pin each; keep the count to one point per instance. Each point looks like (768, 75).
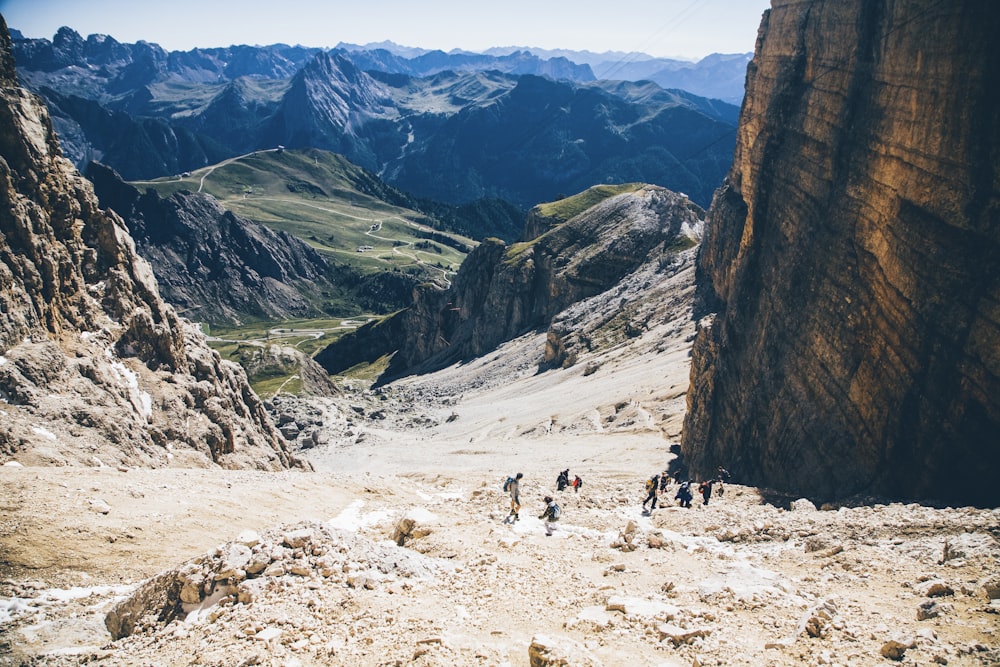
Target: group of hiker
(656, 487)
(562, 481)
(552, 511)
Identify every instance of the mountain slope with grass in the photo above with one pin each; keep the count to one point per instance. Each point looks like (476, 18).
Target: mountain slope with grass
(454, 135)
(579, 247)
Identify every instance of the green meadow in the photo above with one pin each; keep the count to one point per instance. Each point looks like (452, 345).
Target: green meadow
(343, 212)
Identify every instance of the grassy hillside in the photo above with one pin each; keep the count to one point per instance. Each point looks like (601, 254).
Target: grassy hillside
(331, 204)
(564, 209)
(339, 209)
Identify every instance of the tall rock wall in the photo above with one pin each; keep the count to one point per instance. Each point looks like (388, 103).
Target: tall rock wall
(95, 368)
(850, 274)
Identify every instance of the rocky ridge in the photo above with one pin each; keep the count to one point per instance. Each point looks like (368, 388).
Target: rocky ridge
(95, 368)
(502, 292)
(849, 275)
(125, 112)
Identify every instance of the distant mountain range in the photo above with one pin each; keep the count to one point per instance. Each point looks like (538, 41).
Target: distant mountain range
(452, 127)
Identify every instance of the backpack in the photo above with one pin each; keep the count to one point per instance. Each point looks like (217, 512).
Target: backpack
(555, 512)
(507, 483)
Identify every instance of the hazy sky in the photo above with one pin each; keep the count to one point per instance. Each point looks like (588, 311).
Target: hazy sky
(685, 28)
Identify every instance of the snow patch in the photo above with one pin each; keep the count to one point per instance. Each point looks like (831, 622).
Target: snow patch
(44, 432)
(141, 400)
(13, 464)
(10, 608)
(351, 519)
(421, 515)
(3, 360)
(199, 613)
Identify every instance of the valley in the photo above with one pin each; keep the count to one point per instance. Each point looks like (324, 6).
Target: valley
(320, 198)
(257, 408)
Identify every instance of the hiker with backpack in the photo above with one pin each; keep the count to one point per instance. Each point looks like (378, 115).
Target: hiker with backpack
(513, 487)
(684, 494)
(550, 515)
(562, 481)
(577, 483)
(706, 490)
(664, 481)
(652, 486)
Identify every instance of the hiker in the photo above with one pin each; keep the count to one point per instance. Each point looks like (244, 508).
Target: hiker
(577, 483)
(551, 515)
(722, 474)
(514, 489)
(684, 494)
(721, 490)
(562, 481)
(705, 488)
(652, 486)
(664, 480)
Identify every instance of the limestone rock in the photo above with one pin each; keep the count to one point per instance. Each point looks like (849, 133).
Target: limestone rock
(501, 292)
(802, 505)
(679, 636)
(91, 349)
(548, 651)
(991, 586)
(934, 588)
(895, 649)
(849, 270)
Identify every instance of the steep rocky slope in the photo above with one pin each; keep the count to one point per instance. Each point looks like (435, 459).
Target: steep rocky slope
(851, 265)
(94, 367)
(501, 292)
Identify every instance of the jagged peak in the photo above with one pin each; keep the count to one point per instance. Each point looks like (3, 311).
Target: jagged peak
(8, 73)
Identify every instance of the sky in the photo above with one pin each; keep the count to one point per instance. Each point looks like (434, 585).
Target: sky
(688, 29)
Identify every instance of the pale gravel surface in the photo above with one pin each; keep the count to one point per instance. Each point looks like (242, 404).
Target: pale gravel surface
(742, 581)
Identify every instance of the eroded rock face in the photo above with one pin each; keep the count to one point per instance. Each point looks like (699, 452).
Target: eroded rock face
(94, 367)
(850, 270)
(503, 291)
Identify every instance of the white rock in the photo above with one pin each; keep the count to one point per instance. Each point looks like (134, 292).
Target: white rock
(678, 635)
(549, 651)
(296, 539)
(100, 506)
(802, 505)
(267, 634)
(248, 538)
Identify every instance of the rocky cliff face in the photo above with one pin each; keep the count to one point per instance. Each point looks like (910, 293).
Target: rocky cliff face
(94, 367)
(501, 292)
(850, 272)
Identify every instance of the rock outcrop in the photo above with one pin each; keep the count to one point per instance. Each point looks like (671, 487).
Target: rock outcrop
(597, 239)
(95, 367)
(850, 273)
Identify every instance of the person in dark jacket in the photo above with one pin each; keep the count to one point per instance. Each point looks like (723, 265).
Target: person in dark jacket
(684, 494)
(652, 486)
(705, 488)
